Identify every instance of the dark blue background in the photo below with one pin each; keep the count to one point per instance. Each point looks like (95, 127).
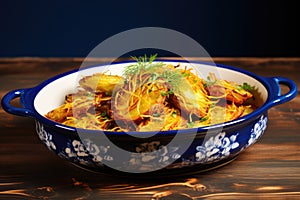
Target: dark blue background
(75, 27)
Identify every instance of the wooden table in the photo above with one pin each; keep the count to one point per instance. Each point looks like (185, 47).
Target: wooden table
(268, 169)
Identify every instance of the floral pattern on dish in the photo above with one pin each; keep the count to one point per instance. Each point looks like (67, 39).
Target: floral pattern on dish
(82, 152)
(152, 155)
(45, 137)
(85, 152)
(219, 146)
(257, 130)
(216, 147)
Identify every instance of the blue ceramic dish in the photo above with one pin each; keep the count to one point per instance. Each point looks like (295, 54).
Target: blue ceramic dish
(165, 152)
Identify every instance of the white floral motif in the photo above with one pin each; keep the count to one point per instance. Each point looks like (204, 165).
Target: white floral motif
(45, 137)
(151, 155)
(82, 152)
(98, 152)
(258, 130)
(216, 147)
(79, 149)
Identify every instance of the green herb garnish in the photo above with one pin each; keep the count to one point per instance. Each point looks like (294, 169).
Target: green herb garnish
(174, 114)
(104, 114)
(209, 82)
(157, 71)
(203, 119)
(212, 105)
(156, 115)
(246, 87)
(142, 64)
(190, 124)
(167, 93)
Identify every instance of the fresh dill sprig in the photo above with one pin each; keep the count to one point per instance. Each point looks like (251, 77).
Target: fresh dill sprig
(142, 64)
(158, 71)
(172, 77)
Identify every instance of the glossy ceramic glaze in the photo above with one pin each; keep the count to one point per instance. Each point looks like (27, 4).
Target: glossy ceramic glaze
(208, 147)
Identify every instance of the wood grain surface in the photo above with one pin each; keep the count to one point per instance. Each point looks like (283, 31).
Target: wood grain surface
(270, 169)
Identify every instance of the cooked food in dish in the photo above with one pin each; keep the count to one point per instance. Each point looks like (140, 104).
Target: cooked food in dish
(153, 96)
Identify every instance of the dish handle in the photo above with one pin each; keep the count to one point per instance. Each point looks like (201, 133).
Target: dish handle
(276, 97)
(6, 100)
